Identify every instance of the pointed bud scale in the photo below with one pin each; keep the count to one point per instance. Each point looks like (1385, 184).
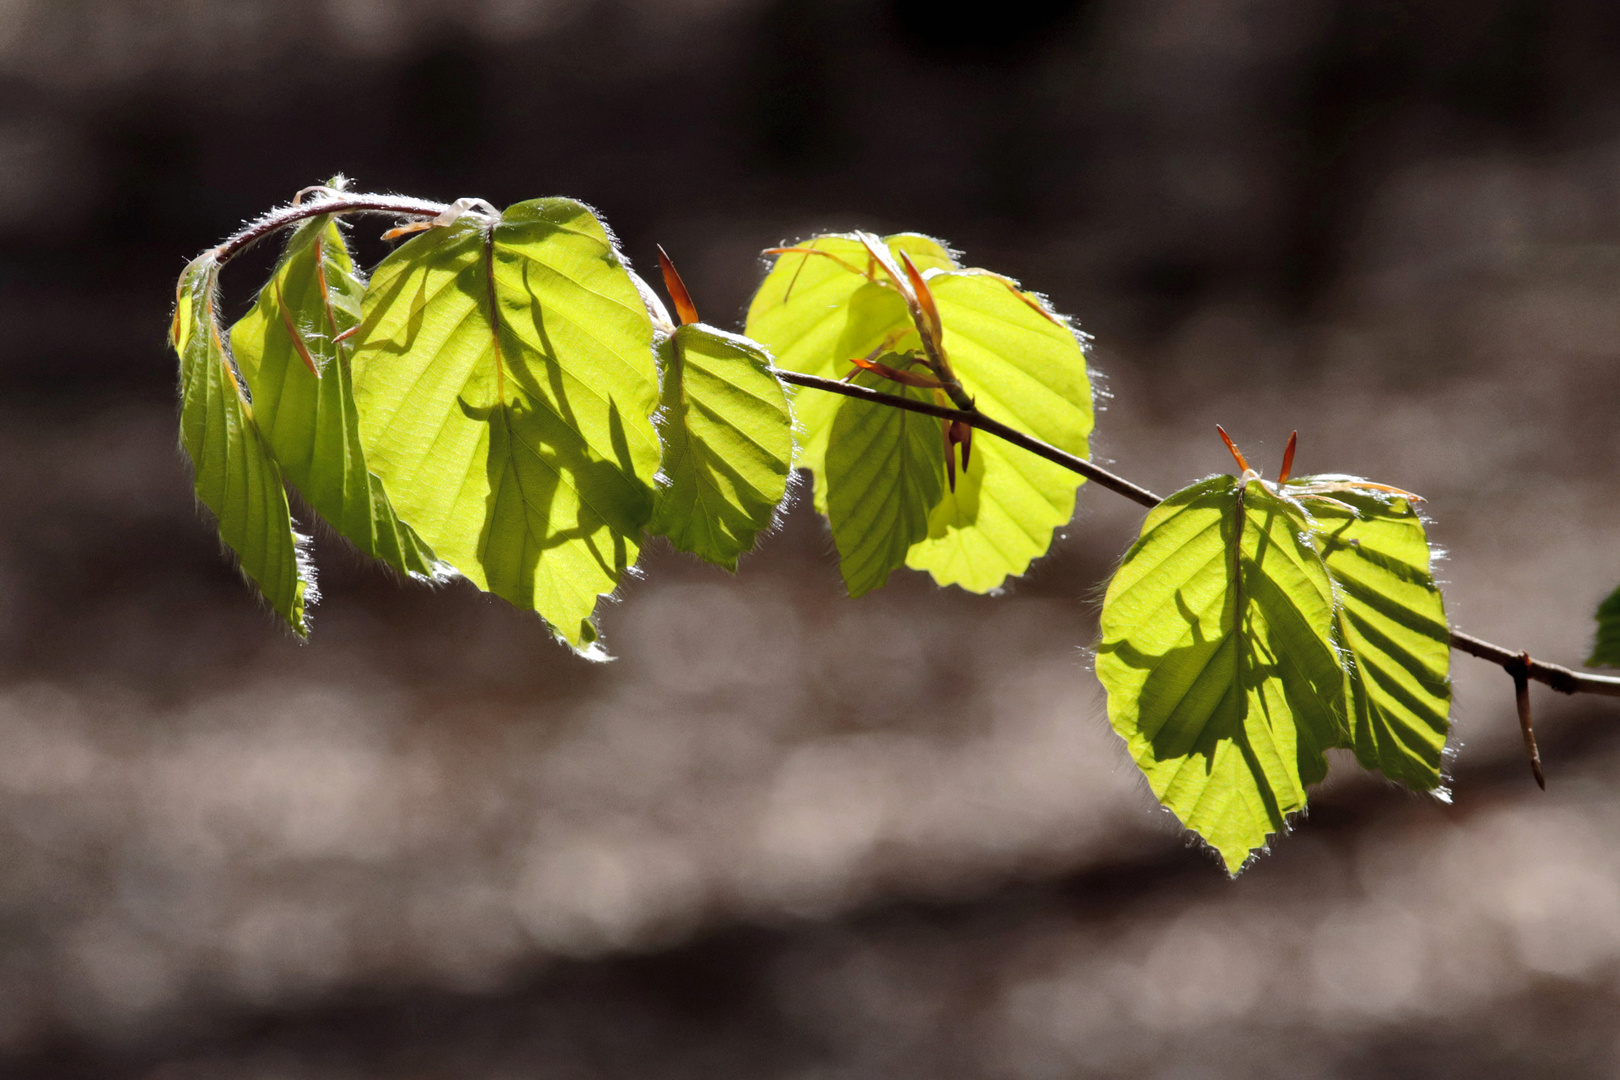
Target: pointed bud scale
(1288, 459)
(1237, 455)
(677, 290)
(907, 378)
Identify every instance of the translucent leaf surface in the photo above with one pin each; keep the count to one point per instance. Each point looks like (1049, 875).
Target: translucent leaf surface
(505, 383)
(292, 353)
(1022, 365)
(1220, 670)
(1606, 652)
(1392, 621)
(885, 471)
(235, 475)
(806, 312)
(728, 444)
(1026, 369)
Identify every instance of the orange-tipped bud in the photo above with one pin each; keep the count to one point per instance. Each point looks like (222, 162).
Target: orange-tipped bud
(1237, 455)
(684, 308)
(925, 300)
(1288, 459)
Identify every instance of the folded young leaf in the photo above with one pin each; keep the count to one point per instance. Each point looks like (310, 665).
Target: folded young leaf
(728, 444)
(1606, 651)
(885, 471)
(292, 351)
(1217, 654)
(235, 475)
(1391, 620)
(1022, 364)
(504, 379)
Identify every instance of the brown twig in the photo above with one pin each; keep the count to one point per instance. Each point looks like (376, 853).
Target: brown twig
(1561, 679)
(1091, 471)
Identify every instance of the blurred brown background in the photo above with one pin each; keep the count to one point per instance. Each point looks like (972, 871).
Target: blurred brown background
(787, 834)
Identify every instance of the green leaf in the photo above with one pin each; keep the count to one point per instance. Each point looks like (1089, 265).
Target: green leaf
(885, 471)
(1606, 652)
(505, 380)
(1024, 367)
(235, 475)
(807, 313)
(1392, 621)
(728, 444)
(1022, 364)
(292, 353)
(1221, 673)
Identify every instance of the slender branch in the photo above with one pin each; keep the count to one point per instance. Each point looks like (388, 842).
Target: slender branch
(1561, 679)
(1089, 470)
(329, 201)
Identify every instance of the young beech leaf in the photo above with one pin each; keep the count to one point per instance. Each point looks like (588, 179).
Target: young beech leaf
(504, 379)
(1391, 621)
(292, 351)
(236, 476)
(1606, 652)
(807, 313)
(1217, 654)
(884, 473)
(1021, 363)
(1023, 366)
(728, 444)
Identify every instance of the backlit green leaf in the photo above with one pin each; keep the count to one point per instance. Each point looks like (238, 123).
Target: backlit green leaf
(1392, 621)
(504, 377)
(1020, 363)
(1606, 652)
(728, 444)
(235, 475)
(807, 313)
(1221, 672)
(296, 362)
(885, 471)
(1025, 368)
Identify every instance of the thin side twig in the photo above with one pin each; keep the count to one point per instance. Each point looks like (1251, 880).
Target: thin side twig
(1521, 696)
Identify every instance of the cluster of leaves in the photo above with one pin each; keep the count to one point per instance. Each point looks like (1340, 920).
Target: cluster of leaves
(506, 401)
(1255, 625)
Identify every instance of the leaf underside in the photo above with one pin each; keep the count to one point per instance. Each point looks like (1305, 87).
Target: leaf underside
(728, 444)
(293, 332)
(235, 475)
(504, 376)
(1020, 363)
(885, 472)
(1221, 672)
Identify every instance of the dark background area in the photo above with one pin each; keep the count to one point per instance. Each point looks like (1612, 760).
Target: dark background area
(788, 834)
